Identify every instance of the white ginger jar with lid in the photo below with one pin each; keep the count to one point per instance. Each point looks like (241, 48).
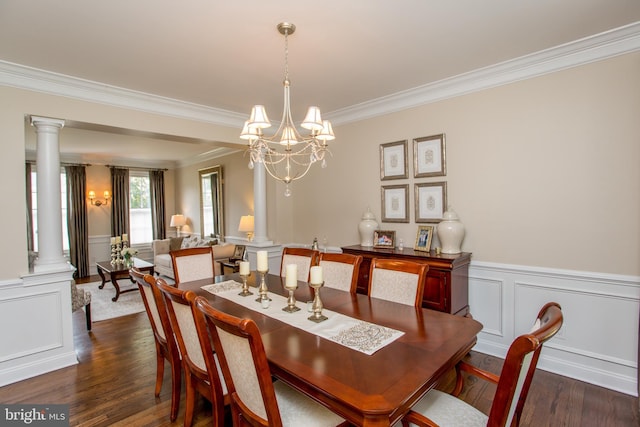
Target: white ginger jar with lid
(366, 228)
(450, 232)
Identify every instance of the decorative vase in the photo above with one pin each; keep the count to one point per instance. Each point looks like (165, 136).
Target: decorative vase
(128, 262)
(366, 228)
(450, 232)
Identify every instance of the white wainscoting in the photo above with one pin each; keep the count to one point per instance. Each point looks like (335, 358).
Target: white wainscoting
(598, 342)
(37, 335)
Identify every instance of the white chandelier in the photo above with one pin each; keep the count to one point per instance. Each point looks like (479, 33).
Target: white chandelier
(287, 156)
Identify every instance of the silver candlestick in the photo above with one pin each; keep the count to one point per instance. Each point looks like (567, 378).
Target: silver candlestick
(291, 301)
(262, 290)
(245, 288)
(317, 315)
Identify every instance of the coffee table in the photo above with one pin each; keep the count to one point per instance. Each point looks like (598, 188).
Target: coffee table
(120, 271)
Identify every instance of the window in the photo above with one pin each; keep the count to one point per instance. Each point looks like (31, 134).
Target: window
(140, 222)
(34, 208)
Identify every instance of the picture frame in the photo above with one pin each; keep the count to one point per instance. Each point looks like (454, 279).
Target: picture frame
(423, 238)
(429, 156)
(384, 239)
(395, 203)
(238, 253)
(430, 201)
(394, 160)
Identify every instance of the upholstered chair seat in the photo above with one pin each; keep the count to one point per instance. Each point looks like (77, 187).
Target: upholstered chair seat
(81, 298)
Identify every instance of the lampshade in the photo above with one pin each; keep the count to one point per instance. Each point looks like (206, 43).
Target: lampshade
(178, 220)
(258, 117)
(246, 223)
(313, 120)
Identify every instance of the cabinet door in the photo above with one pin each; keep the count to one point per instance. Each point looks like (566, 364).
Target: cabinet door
(435, 295)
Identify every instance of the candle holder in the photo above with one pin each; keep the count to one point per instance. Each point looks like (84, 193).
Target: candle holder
(291, 301)
(114, 255)
(317, 315)
(245, 288)
(262, 290)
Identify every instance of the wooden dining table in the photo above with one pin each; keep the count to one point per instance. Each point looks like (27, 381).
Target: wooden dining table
(367, 390)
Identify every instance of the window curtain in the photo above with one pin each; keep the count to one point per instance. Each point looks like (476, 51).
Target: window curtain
(77, 222)
(29, 209)
(120, 198)
(156, 184)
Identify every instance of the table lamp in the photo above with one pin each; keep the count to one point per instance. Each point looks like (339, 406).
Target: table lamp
(178, 221)
(246, 226)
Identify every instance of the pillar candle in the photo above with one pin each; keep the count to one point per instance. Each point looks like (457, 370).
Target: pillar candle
(113, 240)
(316, 274)
(291, 276)
(125, 238)
(117, 239)
(244, 268)
(263, 261)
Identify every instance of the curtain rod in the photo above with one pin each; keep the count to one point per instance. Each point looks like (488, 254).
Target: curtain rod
(33, 162)
(136, 168)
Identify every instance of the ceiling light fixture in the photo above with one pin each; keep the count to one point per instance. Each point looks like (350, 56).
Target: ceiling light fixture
(287, 155)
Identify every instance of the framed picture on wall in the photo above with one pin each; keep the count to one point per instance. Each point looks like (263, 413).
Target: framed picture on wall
(393, 160)
(423, 238)
(429, 157)
(395, 203)
(431, 201)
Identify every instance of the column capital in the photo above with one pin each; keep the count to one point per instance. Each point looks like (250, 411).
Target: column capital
(37, 121)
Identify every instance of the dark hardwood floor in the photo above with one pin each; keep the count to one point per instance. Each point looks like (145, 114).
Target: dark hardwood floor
(114, 380)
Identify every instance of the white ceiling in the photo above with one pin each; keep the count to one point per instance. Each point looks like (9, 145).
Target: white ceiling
(228, 55)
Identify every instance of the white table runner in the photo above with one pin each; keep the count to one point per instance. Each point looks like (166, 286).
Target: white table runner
(353, 333)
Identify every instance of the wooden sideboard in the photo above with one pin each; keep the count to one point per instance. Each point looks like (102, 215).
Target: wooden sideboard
(447, 284)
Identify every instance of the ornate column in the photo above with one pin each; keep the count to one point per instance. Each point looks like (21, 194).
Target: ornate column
(50, 251)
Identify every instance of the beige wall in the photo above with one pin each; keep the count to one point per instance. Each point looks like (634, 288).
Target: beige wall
(237, 192)
(542, 172)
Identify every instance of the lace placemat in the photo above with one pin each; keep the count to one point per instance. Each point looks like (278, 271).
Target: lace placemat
(353, 333)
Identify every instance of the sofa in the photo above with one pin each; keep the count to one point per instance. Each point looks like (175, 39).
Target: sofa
(162, 248)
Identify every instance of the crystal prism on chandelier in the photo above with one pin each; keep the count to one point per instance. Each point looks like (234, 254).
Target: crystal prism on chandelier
(287, 155)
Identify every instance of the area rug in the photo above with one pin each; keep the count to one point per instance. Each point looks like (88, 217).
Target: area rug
(102, 308)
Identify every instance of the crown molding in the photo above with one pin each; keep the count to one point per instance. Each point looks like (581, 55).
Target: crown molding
(601, 46)
(598, 47)
(23, 77)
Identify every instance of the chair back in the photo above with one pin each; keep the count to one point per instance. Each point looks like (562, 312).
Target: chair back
(193, 264)
(340, 271)
(520, 365)
(193, 347)
(399, 281)
(304, 258)
(244, 365)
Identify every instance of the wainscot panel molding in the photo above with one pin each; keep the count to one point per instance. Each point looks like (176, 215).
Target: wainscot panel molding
(36, 344)
(598, 342)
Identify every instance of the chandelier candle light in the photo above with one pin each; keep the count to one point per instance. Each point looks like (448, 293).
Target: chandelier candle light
(287, 155)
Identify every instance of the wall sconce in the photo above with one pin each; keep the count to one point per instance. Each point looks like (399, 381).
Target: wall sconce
(178, 221)
(92, 198)
(246, 225)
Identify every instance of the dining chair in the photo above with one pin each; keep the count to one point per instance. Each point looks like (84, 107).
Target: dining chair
(193, 264)
(166, 346)
(304, 258)
(256, 399)
(340, 271)
(439, 408)
(81, 298)
(198, 378)
(397, 280)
